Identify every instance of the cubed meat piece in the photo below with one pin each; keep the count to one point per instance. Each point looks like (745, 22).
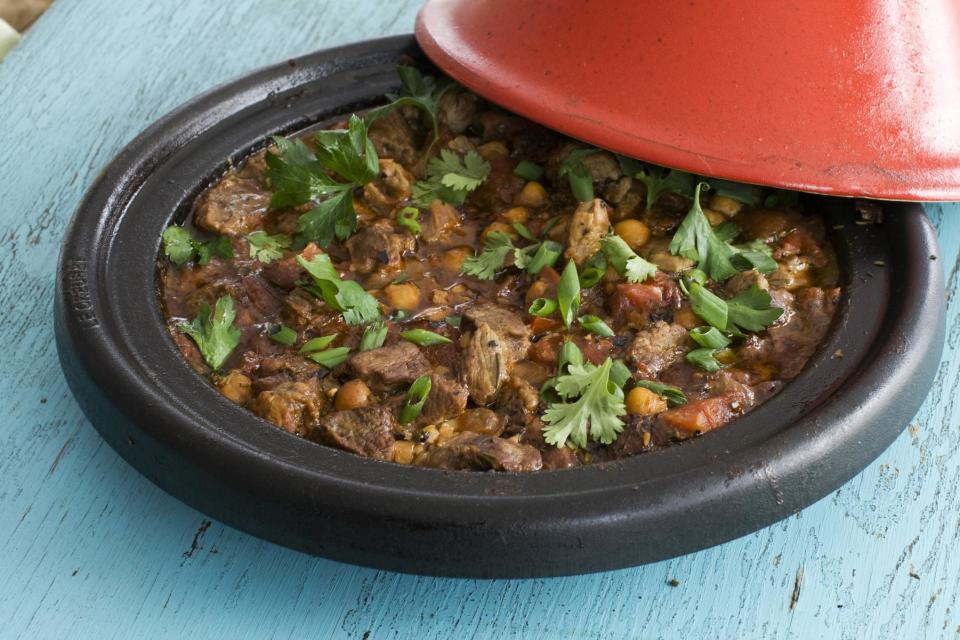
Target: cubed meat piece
(499, 340)
(393, 137)
(367, 431)
(292, 406)
(589, 224)
(656, 348)
(284, 273)
(458, 110)
(292, 366)
(438, 222)
(380, 243)
(481, 453)
(386, 368)
(447, 399)
(233, 207)
(235, 386)
(553, 457)
(392, 185)
(602, 166)
(518, 400)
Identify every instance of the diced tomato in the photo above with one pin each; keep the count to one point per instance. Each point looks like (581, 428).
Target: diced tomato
(699, 416)
(595, 351)
(546, 350)
(539, 325)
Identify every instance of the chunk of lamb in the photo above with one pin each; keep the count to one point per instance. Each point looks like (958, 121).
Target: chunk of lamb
(367, 431)
(447, 399)
(285, 272)
(481, 453)
(589, 224)
(292, 406)
(656, 348)
(439, 222)
(392, 185)
(378, 244)
(386, 368)
(234, 206)
(393, 137)
(499, 340)
(457, 110)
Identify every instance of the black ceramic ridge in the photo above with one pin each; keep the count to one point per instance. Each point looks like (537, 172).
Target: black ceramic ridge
(161, 417)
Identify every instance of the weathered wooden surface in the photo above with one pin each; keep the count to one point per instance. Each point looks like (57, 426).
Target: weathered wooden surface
(92, 550)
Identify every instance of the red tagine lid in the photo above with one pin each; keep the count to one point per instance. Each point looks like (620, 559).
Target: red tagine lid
(851, 98)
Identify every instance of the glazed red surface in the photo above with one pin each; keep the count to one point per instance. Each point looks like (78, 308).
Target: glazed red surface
(856, 98)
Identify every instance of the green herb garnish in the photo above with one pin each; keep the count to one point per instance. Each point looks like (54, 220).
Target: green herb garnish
(214, 333)
(534, 258)
(673, 395)
(374, 336)
(317, 344)
(625, 261)
(581, 182)
(491, 258)
(423, 92)
(523, 232)
(590, 405)
(704, 358)
(424, 338)
(409, 219)
(660, 180)
(416, 398)
(568, 293)
(283, 335)
(330, 358)
(528, 170)
(266, 248)
(696, 240)
(596, 326)
(593, 270)
(709, 337)
(345, 296)
(181, 247)
(749, 310)
(298, 176)
(542, 307)
(754, 255)
(450, 178)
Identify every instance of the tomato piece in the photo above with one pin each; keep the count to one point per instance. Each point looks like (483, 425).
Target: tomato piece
(699, 416)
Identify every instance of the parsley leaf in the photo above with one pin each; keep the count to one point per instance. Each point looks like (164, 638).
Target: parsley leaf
(705, 359)
(266, 248)
(754, 255)
(181, 247)
(581, 182)
(660, 180)
(214, 332)
(345, 296)
(625, 261)
(450, 178)
(418, 90)
(298, 176)
(695, 240)
(750, 310)
(490, 259)
(596, 411)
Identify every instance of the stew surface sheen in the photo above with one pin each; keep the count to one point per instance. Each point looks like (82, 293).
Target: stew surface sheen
(491, 383)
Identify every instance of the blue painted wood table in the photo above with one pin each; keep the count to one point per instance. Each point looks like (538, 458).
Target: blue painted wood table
(92, 550)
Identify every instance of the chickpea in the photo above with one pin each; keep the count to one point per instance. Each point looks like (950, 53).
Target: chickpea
(405, 295)
(533, 194)
(516, 214)
(634, 232)
(236, 387)
(353, 395)
(403, 452)
(492, 150)
(727, 206)
(452, 259)
(715, 217)
(643, 402)
(502, 227)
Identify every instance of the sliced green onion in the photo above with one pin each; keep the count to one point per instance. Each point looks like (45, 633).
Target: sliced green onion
(416, 398)
(596, 326)
(704, 359)
(542, 307)
(453, 321)
(528, 170)
(673, 395)
(316, 344)
(569, 354)
(706, 304)
(330, 358)
(546, 256)
(709, 337)
(284, 335)
(523, 232)
(568, 293)
(373, 336)
(408, 219)
(593, 270)
(424, 338)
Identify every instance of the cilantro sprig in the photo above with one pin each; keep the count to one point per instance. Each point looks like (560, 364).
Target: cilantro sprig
(625, 261)
(581, 182)
(345, 159)
(266, 248)
(345, 296)
(696, 240)
(450, 178)
(749, 310)
(588, 402)
(491, 258)
(214, 331)
(181, 247)
(660, 180)
(418, 90)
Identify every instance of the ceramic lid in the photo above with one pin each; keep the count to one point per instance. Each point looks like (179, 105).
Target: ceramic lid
(853, 98)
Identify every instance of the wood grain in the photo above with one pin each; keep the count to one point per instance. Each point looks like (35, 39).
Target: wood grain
(92, 550)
